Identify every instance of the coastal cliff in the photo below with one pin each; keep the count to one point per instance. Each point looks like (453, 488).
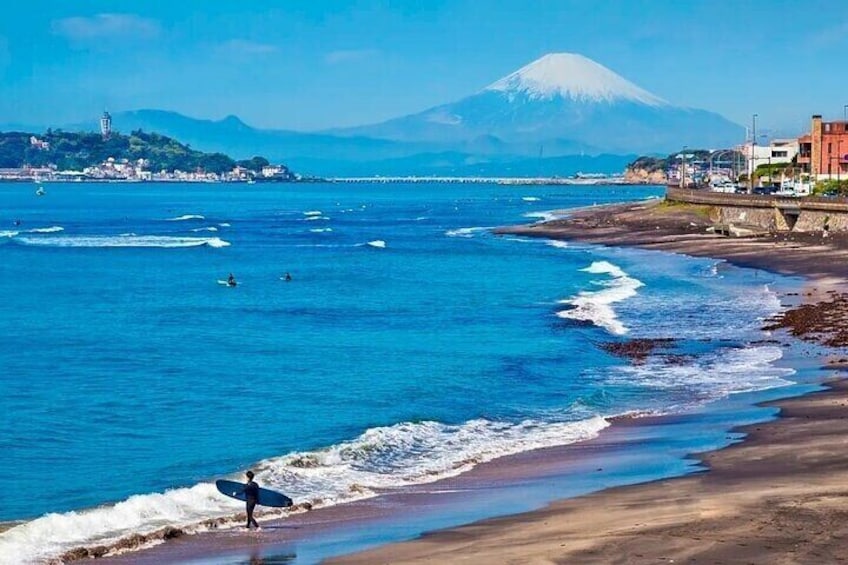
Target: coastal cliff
(645, 176)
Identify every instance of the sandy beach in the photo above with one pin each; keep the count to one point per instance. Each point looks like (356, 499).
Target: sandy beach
(777, 497)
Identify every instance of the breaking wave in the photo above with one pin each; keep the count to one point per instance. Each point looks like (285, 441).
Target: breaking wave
(186, 217)
(466, 232)
(596, 306)
(122, 241)
(381, 458)
(15, 233)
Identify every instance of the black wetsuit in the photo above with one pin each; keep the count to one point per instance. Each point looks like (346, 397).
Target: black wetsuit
(251, 493)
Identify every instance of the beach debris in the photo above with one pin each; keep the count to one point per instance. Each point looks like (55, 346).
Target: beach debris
(130, 542)
(824, 322)
(305, 461)
(678, 359)
(637, 350)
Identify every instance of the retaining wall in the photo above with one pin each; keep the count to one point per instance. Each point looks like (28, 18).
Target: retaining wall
(774, 213)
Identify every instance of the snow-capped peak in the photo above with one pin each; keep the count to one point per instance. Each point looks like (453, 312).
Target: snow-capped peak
(572, 76)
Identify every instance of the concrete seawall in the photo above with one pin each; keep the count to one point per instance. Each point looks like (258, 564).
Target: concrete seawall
(774, 213)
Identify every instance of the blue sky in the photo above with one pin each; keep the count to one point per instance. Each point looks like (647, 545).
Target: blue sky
(315, 64)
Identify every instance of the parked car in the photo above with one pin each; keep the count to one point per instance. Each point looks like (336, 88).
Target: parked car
(764, 190)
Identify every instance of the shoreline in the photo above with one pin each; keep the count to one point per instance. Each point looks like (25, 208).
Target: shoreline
(527, 466)
(646, 444)
(786, 475)
(776, 497)
(534, 465)
(681, 229)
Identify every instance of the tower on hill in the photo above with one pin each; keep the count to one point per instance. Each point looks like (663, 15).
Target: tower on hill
(106, 125)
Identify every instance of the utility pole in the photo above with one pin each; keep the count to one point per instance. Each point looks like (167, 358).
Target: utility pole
(753, 152)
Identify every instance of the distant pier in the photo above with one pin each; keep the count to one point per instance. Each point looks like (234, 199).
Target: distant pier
(580, 180)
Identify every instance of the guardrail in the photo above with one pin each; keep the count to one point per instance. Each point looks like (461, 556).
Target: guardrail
(694, 196)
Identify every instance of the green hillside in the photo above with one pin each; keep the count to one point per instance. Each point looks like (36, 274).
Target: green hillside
(75, 151)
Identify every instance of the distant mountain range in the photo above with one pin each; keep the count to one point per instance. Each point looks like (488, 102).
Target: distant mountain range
(561, 114)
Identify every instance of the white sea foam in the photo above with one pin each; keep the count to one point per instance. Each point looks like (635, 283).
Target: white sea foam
(122, 241)
(224, 224)
(707, 378)
(530, 198)
(51, 229)
(313, 213)
(207, 228)
(771, 300)
(557, 243)
(380, 458)
(596, 306)
(9, 233)
(186, 217)
(321, 230)
(50, 535)
(466, 232)
(378, 243)
(545, 216)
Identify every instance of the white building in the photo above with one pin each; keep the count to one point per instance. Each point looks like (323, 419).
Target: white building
(777, 152)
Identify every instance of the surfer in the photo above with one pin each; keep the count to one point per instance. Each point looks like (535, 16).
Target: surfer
(288, 277)
(251, 493)
(231, 280)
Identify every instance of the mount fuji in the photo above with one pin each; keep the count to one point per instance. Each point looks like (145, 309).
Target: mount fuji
(563, 103)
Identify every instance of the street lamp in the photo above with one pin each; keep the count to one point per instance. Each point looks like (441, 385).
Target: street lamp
(715, 156)
(683, 167)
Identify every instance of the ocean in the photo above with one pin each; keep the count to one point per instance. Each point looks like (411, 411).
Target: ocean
(411, 344)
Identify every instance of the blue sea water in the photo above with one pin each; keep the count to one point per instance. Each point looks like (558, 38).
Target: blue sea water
(410, 344)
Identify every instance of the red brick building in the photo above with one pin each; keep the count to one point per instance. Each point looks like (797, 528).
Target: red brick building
(824, 151)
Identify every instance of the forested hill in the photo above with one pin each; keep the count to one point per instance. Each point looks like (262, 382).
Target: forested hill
(75, 151)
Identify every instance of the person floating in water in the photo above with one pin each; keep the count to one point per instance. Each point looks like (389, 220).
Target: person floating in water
(231, 280)
(288, 277)
(251, 494)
